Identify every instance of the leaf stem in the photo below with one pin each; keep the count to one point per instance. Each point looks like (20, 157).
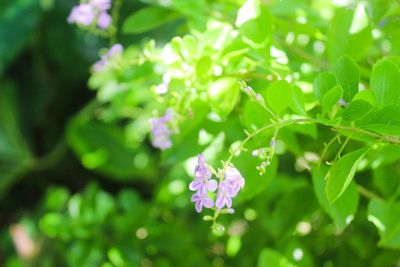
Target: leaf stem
(326, 148)
(368, 194)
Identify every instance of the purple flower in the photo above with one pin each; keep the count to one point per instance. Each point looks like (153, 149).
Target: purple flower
(343, 103)
(104, 20)
(232, 174)
(272, 143)
(161, 131)
(202, 184)
(83, 14)
(115, 49)
(229, 187)
(101, 64)
(202, 200)
(223, 199)
(101, 4)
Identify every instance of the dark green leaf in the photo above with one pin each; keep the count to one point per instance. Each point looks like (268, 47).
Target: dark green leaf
(343, 210)
(331, 98)
(385, 216)
(385, 121)
(342, 172)
(356, 110)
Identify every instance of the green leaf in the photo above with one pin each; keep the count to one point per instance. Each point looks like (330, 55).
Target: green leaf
(324, 82)
(367, 96)
(349, 33)
(147, 19)
(279, 95)
(385, 216)
(203, 66)
(338, 33)
(255, 22)
(356, 110)
(14, 31)
(298, 101)
(347, 75)
(359, 43)
(343, 210)
(331, 98)
(385, 82)
(15, 155)
(255, 184)
(342, 172)
(102, 148)
(224, 94)
(269, 257)
(385, 121)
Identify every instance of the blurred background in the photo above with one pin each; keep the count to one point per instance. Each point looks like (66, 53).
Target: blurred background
(62, 205)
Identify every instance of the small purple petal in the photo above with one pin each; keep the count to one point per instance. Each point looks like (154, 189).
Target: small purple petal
(199, 206)
(195, 198)
(219, 201)
(208, 202)
(211, 185)
(272, 143)
(228, 201)
(195, 185)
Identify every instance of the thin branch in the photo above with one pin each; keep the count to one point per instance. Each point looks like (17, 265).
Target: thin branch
(368, 194)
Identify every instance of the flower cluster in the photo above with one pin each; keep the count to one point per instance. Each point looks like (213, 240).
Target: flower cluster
(94, 11)
(100, 65)
(161, 131)
(231, 181)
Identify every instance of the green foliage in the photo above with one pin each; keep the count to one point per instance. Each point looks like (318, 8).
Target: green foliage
(302, 97)
(344, 209)
(331, 98)
(347, 75)
(323, 82)
(385, 81)
(342, 172)
(279, 95)
(147, 19)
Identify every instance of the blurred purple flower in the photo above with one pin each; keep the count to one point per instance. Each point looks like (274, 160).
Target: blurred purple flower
(83, 14)
(101, 4)
(342, 102)
(161, 131)
(104, 20)
(100, 65)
